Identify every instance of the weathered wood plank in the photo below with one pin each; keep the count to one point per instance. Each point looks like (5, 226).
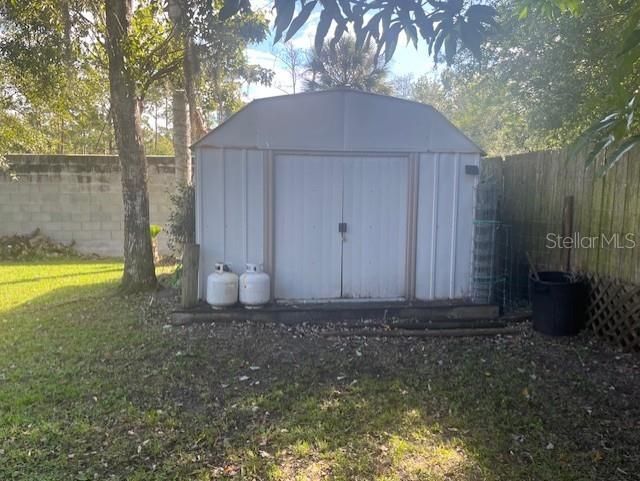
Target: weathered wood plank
(496, 331)
(556, 256)
(577, 172)
(546, 220)
(597, 200)
(605, 225)
(633, 225)
(620, 191)
(535, 186)
(583, 200)
(190, 262)
(567, 229)
(339, 312)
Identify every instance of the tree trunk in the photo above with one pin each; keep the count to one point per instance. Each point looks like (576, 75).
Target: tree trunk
(181, 137)
(198, 128)
(155, 127)
(139, 271)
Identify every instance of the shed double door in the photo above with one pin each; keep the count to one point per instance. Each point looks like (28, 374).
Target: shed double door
(340, 227)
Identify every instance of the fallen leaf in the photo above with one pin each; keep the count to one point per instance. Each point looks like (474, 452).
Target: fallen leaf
(230, 470)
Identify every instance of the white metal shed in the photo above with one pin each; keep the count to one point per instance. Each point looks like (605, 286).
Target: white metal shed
(278, 182)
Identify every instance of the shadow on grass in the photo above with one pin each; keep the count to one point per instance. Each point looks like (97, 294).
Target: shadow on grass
(454, 409)
(389, 426)
(379, 429)
(104, 388)
(74, 274)
(67, 364)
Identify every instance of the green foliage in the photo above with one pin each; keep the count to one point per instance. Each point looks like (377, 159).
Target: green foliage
(223, 64)
(36, 41)
(604, 67)
(344, 65)
(54, 93)
(154, 230)
(181, 227)
(432, 92)
(618, 131)
(54, 97)
(548, 8)
(175, 280)
(47, 107)
(153, 50)
(477, 105)
(220, 64)
(449, 23)
(542, 79)
(34, 246)
(17, 133)
(51, 98)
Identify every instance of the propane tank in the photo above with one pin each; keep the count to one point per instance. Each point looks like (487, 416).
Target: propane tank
(255, 288)
(222, 287)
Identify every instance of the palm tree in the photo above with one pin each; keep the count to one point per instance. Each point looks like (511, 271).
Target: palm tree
(344, 65)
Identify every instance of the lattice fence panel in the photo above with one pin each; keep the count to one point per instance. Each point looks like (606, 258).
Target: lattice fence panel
(614, 311)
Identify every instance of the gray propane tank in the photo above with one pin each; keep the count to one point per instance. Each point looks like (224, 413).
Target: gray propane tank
(222, 287)
(255, 287)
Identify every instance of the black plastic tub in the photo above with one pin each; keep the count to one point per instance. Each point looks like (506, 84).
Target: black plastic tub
(558, 303)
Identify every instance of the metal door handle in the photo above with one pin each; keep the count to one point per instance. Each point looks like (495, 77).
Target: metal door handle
(342, 227)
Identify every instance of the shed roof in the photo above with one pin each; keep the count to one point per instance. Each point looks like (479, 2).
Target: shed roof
(339, 120)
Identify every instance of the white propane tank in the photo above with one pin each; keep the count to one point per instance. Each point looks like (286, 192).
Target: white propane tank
(255, 288)
(222, 287)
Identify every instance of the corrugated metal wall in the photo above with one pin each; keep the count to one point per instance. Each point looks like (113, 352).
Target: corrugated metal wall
(313, 195)
(375, 210)
(230, 208)
(446, 199)
(233, 213)
(307, 245)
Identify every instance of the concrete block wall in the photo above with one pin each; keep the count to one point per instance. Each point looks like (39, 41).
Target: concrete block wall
(79, 198)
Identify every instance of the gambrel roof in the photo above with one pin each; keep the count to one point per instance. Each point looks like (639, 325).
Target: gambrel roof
(339, 120)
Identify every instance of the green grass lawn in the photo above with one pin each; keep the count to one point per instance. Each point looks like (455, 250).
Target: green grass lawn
(94, 385)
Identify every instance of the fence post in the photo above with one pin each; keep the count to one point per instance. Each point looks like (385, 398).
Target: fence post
(190, 261)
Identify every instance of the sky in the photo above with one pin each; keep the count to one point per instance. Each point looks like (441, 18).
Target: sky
(406, 59)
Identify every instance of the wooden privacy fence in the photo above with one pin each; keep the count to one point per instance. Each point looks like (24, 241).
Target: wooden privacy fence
(602, 244)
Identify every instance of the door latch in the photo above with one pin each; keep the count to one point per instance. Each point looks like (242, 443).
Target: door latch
(342, 227)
